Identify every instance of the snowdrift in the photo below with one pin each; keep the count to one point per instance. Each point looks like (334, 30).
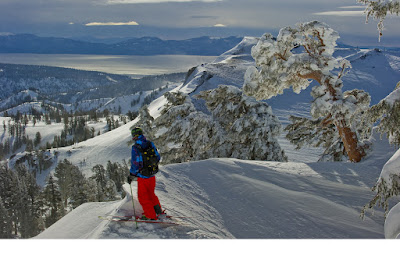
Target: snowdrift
(231, 198)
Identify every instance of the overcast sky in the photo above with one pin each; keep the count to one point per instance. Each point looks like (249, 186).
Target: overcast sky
(172, 18)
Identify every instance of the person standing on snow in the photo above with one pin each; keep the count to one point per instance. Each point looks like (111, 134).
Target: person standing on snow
(144, 166)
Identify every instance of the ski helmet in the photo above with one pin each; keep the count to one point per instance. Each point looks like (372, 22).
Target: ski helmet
(136, 132)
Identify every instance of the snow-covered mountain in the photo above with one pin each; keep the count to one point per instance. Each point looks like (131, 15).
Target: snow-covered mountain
(23, 87)
(29, 43)
(231, 198)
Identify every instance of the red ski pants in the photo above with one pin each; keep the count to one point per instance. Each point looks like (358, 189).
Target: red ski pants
(147, 197)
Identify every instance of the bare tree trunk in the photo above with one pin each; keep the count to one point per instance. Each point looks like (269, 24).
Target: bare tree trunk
(350, 141)
(349, 138)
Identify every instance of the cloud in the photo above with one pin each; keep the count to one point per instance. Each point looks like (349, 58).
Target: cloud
(352, 7)
(345, 13)
(114, 2)
(129, 23)
(219, 25)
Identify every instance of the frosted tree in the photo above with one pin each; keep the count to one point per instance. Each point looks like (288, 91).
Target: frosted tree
(5, 222)
(387, 113)
(378, 9)
(29, 203)
(68, 175)
(110, 190)
(248, 128)
(99, 175)
(53, 202)
(181, 132)
(145, 123)
(219, 123)
(321, 132)
(294, 59)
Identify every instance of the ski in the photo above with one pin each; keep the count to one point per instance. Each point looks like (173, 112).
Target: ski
(131, 216)
(125, 219)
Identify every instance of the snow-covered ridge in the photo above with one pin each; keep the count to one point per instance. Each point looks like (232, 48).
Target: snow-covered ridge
(231, 198)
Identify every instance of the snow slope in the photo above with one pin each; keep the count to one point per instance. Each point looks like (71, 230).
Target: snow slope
(231, 198)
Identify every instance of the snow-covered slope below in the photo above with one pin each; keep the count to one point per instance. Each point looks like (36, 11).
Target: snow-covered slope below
(231, 198)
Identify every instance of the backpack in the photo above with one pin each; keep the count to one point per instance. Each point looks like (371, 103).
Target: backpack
(150, 160)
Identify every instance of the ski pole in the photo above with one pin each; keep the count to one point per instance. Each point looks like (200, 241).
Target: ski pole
(133, 204)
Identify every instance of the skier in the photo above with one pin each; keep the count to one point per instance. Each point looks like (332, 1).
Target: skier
(143, 169)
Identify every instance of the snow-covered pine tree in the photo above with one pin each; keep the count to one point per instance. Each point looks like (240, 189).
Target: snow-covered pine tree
(378, 9)
(222, 123)
(53, 202)
(110, 190)
(117, 173)
(63, 174)
(29, 203)
(145, 123)
(248, 128)
(99, 175)
(321, 132)
(387, 113)
(295, 58)
(182, 132)
(5, 222)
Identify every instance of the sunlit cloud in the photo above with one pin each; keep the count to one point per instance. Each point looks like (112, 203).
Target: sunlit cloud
(219, 25)
(352, 7)
(344, 13)
(129, 23)
(114, 2)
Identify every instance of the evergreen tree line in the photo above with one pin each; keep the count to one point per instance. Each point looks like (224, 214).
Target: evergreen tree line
(16, 140)
(26, 209)
(75, 130)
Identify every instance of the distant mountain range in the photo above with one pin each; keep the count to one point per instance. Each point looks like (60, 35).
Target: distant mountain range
(28, 43)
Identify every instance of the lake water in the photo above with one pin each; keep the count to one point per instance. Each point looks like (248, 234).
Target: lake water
(116, 64)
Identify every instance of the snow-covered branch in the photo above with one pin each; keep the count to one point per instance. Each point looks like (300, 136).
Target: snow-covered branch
(379, 9)
(387, 112)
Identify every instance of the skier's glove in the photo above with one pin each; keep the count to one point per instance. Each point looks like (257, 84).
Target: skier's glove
(131, 178)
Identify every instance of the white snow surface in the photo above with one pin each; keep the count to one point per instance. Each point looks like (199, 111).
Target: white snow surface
(231, 198)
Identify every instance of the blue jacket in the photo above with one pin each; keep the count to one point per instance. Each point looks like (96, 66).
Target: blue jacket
(136, 157)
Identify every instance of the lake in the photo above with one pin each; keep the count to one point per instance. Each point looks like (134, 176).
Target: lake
(132, 65)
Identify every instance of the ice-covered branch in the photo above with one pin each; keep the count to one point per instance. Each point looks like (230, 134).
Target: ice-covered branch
(379, 9)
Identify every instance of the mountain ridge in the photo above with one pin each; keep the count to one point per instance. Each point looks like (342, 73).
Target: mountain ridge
(29, 43)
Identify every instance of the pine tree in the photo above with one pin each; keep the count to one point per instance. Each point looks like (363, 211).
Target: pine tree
(5, 222)
(295, 58)
(100, 177)
(321, 132)
(145, 122)
(387, 113)
(221, 123)
(116, 173)
(29, 210)
(249, 128)
(71, 183)
(63, 174)
(178, 127)
(53, 202)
